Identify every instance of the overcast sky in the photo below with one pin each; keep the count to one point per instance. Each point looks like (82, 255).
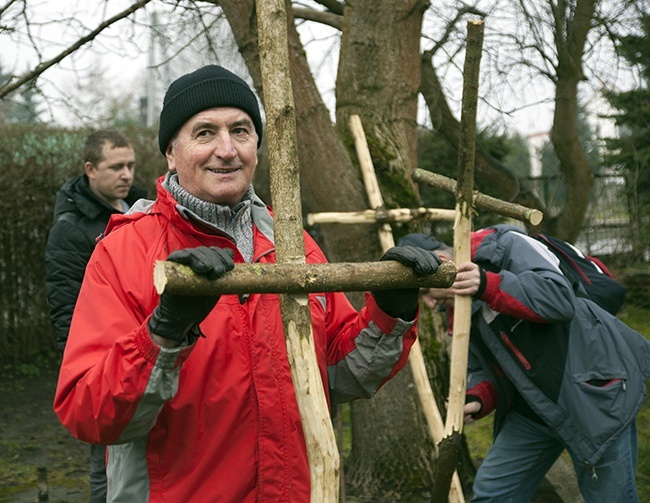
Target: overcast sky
(121, 53)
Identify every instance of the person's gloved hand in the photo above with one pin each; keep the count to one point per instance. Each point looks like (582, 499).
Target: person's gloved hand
(175, 315)
(403, 303)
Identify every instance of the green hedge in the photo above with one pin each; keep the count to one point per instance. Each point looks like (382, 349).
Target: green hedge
(35, 161)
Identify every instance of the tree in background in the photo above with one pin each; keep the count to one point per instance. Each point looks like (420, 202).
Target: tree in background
(535, 51)
(553, 183)
(19, 107)
(630, 152)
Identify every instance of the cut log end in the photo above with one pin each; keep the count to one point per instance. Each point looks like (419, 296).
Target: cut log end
(535, 217)
(159, 276)
(448, 454)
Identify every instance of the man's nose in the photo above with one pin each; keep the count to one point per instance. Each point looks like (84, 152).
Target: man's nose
(126, 173)
(225, 148)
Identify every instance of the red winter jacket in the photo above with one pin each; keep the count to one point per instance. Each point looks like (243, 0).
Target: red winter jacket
(216, 420)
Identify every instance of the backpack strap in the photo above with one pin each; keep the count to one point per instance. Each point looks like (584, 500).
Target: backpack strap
(590, 278)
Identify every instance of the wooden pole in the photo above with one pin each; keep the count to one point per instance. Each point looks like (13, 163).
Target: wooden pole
(416, 358)
(290, 248)
(512, 210)
(178, 279)
(380, 216)
(462, 254)
(463, 226)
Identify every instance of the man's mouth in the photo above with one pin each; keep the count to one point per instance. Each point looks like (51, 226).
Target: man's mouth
(222, 171)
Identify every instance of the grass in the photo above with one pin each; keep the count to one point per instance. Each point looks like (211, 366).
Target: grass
(31, 438)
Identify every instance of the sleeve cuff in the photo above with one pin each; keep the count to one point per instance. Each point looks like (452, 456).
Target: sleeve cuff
(484, 393)
(384, 321)
(490, 282)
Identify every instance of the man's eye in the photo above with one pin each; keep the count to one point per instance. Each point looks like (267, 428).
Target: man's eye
(240, 131)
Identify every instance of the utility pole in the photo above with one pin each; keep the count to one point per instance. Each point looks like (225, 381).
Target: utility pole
(151, 77)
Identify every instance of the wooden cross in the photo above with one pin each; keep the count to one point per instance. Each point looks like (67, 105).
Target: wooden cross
(378, 214)
(466, 200)
(416, 358)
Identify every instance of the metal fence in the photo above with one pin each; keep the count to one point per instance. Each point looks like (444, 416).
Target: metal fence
(607, 226)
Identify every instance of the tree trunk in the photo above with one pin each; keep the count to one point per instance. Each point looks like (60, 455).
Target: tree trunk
(378, 79)
(571, 28)
(574, 167)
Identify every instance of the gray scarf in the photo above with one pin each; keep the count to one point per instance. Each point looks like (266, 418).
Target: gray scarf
(235, 221)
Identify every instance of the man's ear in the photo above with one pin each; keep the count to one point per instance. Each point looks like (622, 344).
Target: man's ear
(89, 169)
(169, 154)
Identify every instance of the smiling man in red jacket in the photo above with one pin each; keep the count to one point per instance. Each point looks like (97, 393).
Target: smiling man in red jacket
(193, 395)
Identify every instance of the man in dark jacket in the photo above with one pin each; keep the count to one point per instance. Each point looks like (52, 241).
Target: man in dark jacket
(561, 372)
(82, 209)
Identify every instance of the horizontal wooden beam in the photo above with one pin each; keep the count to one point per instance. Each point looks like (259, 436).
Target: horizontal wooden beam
(484, 201)
(177, 279)
(382, 216)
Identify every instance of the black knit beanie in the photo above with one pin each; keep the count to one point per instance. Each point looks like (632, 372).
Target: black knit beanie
(208, 87)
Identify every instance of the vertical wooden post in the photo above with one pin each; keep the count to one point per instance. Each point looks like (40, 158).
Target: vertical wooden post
(290, 247)
(463, 225)
(450, 446)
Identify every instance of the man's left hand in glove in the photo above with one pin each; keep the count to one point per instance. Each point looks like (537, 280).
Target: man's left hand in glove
(403, 303)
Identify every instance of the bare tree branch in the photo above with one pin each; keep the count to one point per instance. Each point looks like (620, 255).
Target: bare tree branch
(327, 18)
(39, 69)
(334, 6)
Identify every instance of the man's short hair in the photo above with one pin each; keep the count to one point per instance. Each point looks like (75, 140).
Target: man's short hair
(93, 150)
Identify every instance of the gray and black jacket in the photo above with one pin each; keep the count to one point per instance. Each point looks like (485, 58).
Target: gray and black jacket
(539, 349)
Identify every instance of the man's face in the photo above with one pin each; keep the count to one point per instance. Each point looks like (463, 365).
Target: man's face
(215, 155)
(112, 177)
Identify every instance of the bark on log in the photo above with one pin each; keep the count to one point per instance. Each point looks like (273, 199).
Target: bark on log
(512, 210)
(462, 252)
(178, 279)
(448, 449)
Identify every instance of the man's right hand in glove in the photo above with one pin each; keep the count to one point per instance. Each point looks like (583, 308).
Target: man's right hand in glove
(176, 315)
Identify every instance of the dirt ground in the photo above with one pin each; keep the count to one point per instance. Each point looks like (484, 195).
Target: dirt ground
(33, 440)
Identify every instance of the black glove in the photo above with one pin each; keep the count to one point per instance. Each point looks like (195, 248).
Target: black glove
(175, 315)
(403, 303)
